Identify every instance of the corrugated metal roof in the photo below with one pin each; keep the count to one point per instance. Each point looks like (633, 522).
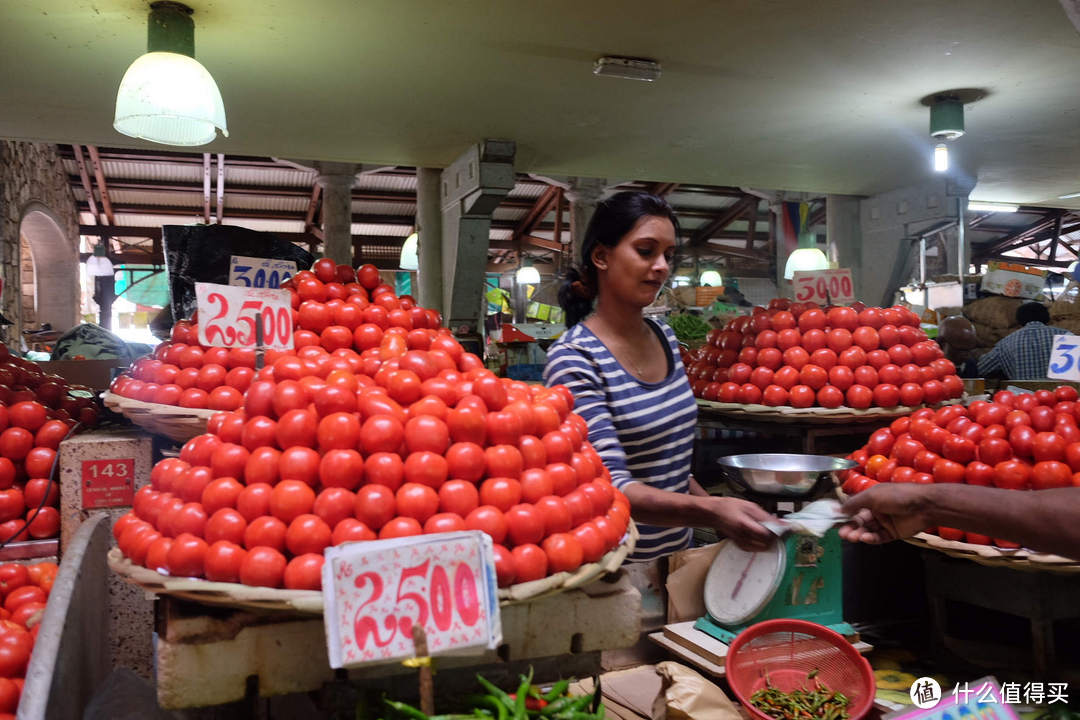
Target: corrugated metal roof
(249, 201)
(290, 226)
(509, 213)
(527, 190)
(381, 230)
(700, 201)
(150, 170)
(373, 207)
(500, 234)
(273, 177)
(156, 197)
(141, 220)
(384, 181)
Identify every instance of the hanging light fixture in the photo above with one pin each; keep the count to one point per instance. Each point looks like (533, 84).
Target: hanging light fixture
(527, 274)
(409, 259)
(806, 257)
(711, 278)
(941, 158)
(946, 124)
(166, 95)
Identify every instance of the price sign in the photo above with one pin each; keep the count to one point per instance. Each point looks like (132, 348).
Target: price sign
(824, 286)
(374, 592)
(227, 316)
(1065, 358)
(108, 483)
(259, 272)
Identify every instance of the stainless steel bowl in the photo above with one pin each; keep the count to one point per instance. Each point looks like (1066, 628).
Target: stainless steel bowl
(781, 474)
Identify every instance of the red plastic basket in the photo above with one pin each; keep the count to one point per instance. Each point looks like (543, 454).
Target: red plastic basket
(787, 651)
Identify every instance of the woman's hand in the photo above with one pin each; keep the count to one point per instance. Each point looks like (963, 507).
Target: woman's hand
(741, 521)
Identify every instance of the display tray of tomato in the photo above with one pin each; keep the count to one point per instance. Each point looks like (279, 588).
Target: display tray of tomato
(802, 357)
(1020, 442)
(377, 425)
(24, 592)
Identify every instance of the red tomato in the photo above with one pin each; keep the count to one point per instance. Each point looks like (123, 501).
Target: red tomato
(490, 520)
(796, 357)
(351, 530)
(530, 563)
(1050, 474)
(866, 338)
(761, 377)
(788, 339)
(813, 376)
(839, 339)
(1066, 393)
(186, 556)
(886, 395)
(830, 397)
(290, 499)
(947, 471)
(1012, 475)
(375, 505)
(853, 357)
(749, 394)
(775, 396)
(924, 460)
(502, 493)
(1022, 439)
(263, 567)
(507, 461)
(564, 551)
(1048, 446)
(802, 396)
(979, 473)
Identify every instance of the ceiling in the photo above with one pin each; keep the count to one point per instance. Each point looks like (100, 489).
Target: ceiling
(782, 94)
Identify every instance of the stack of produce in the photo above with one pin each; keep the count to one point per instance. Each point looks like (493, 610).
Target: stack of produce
(993, 317)
(689, 330)
(1065, 311)
(1017, 442)
(384, 430)
(801, 355)
(24, 590)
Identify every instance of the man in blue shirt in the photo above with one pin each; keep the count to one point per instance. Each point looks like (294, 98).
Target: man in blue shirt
(1025, 354)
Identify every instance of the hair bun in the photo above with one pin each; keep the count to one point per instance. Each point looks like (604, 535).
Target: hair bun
(582, 290)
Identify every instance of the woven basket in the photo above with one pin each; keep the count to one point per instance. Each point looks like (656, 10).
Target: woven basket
(310, 602)
(813, 415)
(176, 423)
(991, 556)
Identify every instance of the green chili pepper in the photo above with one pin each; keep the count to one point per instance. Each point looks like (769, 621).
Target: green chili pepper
(501, 695)
(557, 691)
(521, 695)
(490, 701)
(406, 710)
(567, 704)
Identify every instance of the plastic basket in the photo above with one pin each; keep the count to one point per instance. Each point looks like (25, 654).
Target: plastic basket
(786, 652)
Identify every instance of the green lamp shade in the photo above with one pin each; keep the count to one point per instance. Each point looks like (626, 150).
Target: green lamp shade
(409, 259)
(805, 259)
(947, 119)
(171, 99)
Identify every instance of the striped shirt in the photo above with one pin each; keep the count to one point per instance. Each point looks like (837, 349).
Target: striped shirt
(643, 431)
(1023, 355)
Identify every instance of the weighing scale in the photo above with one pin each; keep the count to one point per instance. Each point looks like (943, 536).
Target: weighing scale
(799, 576)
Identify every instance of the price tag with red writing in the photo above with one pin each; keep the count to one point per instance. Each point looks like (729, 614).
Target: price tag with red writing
(227, 316)
(824, 287)
(373, 593)
(108, 483)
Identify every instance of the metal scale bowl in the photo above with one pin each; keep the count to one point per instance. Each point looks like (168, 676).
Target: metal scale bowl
(799, 576)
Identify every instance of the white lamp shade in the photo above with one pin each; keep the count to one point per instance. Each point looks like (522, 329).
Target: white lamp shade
(171, 99)
(528, 275)
(680, 281)
(711, 278)
(409, 259)
(805, 259)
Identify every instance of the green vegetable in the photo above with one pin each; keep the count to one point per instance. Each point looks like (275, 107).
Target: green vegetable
(689, 327)
(557, 691)
(502, 696)
(567, 705)
(407, 710)
(522, 694)
(801, 703)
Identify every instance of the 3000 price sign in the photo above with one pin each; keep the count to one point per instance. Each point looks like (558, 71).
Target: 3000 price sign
(228, 316)
(824, 286)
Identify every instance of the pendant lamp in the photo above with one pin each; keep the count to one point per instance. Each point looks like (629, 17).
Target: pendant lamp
(527, 274)
(409, 259)
(711, 278)
(167, 96)
(806, 257)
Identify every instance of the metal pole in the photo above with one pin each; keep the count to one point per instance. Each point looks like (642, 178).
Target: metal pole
(961, 202)
(922, 272)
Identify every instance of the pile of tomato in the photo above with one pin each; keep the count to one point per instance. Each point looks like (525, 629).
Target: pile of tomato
(801, 355)
(400, 432)
(24, 590)
(1026, 441)
(29, 499)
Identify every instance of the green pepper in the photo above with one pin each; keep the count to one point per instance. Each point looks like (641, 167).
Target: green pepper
(406, 710)
(502, 696)
(492, 702)
(522, 693)
(557, 690)
(567, 704)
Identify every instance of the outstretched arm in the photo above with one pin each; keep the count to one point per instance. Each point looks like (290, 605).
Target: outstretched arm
(1042, 520)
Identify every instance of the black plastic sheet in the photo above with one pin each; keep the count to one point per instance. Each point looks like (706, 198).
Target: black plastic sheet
(200, 253)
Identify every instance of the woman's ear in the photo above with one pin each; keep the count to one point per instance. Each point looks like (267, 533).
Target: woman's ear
(600, 257)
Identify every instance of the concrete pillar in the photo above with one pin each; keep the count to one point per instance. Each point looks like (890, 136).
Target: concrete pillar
(471, 188)
(429, 241)
(337, 181)
(844, 233)
(583, 195)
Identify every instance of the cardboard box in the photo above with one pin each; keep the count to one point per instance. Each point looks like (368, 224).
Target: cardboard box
(96, 374)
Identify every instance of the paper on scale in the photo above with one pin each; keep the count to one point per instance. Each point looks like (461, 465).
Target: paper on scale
(814, 519)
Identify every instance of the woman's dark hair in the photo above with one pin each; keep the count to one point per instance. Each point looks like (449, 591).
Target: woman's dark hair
(1032, 312)
(613, 219)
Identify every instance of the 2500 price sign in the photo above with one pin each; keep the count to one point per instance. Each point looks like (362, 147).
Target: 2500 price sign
(228, 316)
(375, 592)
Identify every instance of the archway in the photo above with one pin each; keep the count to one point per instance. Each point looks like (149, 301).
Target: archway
(54, 269)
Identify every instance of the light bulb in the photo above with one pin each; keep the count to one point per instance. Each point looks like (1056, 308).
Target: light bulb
(680, 281)
(941, 158)
(711, 278)
(527, 274)
(409, 259)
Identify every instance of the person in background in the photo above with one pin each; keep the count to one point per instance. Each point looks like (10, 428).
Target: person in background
(100, 269)
(1043, 520)
(956, 335)
(628, 381)
(1025, 354)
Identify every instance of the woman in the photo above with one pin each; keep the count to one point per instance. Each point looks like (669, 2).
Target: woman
(629, 383)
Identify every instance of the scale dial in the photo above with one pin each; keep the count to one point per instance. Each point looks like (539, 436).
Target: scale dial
(740, 583)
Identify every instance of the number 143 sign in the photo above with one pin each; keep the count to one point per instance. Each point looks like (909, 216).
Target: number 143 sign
(375, 591)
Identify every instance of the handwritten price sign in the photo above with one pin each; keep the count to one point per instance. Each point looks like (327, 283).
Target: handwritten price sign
(824, 286)
(259, 272)
(1065, 358)
(374, 592)
(227, 316)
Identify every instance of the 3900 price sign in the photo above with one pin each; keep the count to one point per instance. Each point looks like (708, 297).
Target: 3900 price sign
(374, 592)
(259, 272)
(1065, 358)
(824, 286)
(228, 315)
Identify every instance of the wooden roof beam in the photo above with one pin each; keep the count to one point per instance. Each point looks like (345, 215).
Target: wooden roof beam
(84, 178)
(99, 175)
(206, 188)
(701, 235)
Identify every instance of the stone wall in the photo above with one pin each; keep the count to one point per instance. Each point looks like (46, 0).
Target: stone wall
(33, 181)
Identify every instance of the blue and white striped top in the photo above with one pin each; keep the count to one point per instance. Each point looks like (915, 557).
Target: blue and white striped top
(643, 431)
